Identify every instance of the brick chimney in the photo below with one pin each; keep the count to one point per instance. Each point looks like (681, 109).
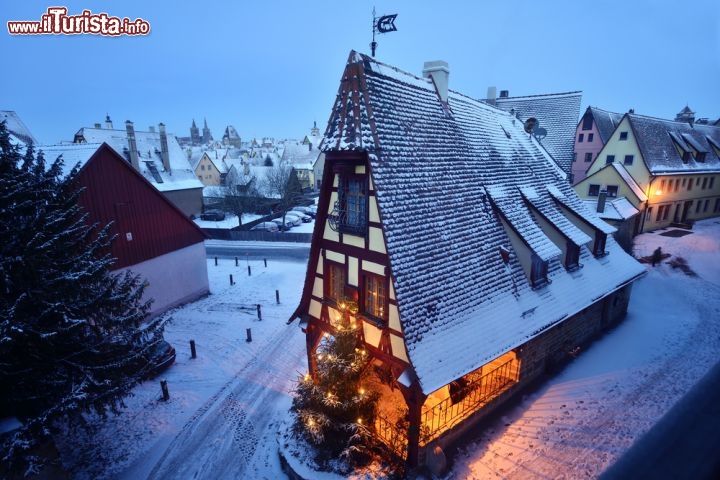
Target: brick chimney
(439, 72)
(132, 145)
(164, 154)
(602, 197)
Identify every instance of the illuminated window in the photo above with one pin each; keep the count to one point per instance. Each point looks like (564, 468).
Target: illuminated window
(335, 286)
(375, 296)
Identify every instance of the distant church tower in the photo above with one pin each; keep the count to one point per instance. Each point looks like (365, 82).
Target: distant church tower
(207, 136)
(194, 134)
(685, 115)
(315, 131)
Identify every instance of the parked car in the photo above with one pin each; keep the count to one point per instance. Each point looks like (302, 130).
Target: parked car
(160, 356)
(213, 215)
(304, 218)
(284, 227)
(295, 219)
(266, 227)
(305, 210)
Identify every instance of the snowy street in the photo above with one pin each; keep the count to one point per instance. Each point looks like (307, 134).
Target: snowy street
(221, 420)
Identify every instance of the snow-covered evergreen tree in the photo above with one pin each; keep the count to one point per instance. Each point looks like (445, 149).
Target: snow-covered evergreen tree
(72, 337)
(336, 412)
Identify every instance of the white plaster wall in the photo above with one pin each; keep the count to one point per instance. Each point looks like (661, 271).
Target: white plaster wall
(174, 278)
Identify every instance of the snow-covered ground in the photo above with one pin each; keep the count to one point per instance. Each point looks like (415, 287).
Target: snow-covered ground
(221, 420)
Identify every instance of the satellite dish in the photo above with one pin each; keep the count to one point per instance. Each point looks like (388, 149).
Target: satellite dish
(530, 124)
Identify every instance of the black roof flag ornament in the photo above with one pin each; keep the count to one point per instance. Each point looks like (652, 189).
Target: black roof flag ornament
(384, 24)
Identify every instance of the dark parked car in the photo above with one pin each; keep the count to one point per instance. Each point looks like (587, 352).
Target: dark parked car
(213, 215)
(160, 356)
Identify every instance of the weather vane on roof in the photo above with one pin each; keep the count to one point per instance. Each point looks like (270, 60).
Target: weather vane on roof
(384, 24)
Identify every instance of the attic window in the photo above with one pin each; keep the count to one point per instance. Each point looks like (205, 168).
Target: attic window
(538, 271)
(587, 121)
(351, 209)
(572, 256)
(599, 244)
(593, 190)
(623, 136)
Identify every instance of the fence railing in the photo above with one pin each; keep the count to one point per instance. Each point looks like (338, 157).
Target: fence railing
(393, 436)
(467, 399)
(463, 402)
(260, 236)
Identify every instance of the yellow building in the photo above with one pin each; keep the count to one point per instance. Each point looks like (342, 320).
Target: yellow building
(669, 170)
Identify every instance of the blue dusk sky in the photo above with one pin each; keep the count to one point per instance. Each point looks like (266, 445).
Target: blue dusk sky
(272, 68)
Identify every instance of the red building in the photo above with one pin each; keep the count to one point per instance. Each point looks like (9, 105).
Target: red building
(153, 237)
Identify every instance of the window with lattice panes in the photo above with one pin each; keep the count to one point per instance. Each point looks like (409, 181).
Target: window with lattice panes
(335, 281)
(375, 296)
(352, 194)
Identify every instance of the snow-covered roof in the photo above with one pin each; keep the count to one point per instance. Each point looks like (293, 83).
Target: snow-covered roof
(181, 175)
(629, 180)
(300, 155)
(605, 122)
(441, 173)
(615, 209)
(73, 154)
(16, 127)
(656, 139)
(557, 113)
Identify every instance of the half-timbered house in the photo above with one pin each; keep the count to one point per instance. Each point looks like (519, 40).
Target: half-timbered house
(455, 245)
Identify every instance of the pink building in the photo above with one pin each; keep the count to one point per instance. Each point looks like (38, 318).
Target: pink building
(591, 134)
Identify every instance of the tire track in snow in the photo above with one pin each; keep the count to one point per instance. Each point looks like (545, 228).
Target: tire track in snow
(222, 437)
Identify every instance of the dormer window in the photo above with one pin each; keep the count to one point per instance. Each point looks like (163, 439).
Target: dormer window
(538, 271)
(572, 256)
(599, 244)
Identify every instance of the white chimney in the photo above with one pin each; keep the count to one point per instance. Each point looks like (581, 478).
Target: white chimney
(491, 95)
(439, 72)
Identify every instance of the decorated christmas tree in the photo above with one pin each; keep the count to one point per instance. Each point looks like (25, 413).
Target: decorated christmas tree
(335, 411)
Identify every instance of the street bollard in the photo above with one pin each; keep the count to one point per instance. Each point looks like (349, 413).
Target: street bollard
(277, 296)
(231, 280)
(249, 272)
(165, 391)
(193, 354)
(265, 260)
(249, 335)
(216, 261)
(259, 312)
